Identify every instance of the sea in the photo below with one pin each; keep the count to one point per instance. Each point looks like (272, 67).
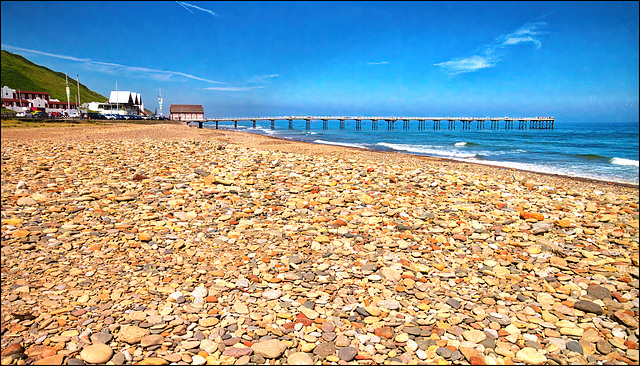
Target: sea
(606, 151)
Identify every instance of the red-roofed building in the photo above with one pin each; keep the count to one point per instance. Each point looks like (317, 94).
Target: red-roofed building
(186, 112)
(24, 100)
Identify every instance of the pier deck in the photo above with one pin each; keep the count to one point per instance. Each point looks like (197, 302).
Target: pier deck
(508, 122)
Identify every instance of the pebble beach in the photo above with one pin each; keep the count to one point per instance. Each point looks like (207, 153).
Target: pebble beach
(168, 244)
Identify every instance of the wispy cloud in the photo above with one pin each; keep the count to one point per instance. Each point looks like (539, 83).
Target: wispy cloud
(109, 67)
(526, 33)
(234, 88)
(490, 55)
(263, 78)
(378, 63)
(187, 6)
(469, 64)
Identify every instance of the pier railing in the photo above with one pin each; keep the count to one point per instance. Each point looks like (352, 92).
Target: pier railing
(481, 122)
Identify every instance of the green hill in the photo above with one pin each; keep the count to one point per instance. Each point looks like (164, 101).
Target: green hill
(20, 73)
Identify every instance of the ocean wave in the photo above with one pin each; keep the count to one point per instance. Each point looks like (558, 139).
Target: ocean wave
(346, 144)
(464, 143)
(622, 161)
(448, 152)
(592, 157)
(264, 130)
(422, 149)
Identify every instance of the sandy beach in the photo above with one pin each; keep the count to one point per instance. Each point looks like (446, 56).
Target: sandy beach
(168, 244)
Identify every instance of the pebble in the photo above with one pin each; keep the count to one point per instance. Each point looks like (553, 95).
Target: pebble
(96, 353)
(101, 337)
(531, 356)
(268, 252)
(444, 352)
(51, 360)
(347, 353)
(272, 348)
(198, 360)
(299, 358)
(588, 307)
(151, 340)
(12, 349)
(323, 350)
(574, 346)
(475, 336)
(132, 334)
(153, 361)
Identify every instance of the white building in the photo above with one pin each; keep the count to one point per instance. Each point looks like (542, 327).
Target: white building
(127, 101)
(120, 102)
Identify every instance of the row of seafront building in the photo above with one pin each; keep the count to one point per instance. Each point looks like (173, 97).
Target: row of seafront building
(120, 102)
(27, 101)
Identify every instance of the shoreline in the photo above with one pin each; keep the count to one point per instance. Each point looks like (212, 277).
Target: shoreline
(190, 131)
(454, 161)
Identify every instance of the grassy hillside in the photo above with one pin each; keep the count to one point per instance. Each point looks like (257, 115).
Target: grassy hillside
(20, 73)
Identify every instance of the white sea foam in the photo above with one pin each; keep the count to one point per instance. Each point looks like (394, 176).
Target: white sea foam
(460, 144)
(267, 131)
(471, 157)
(422, 149)
(565, 171)
(361, 146)
(622, 161)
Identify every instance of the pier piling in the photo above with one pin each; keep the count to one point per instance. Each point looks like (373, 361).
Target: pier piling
(533, 122)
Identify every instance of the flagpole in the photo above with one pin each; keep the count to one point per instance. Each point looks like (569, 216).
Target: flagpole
(78, 83)
(67, 89)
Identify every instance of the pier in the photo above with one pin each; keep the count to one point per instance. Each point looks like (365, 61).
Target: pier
(523, 123)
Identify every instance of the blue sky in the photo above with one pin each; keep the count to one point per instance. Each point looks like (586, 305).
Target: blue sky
(576, 61)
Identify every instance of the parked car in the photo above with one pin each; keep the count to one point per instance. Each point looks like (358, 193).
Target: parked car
(20, 114)
(93, 115)
(74, 114)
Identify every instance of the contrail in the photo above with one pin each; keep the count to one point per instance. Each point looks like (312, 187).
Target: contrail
(152, 72)
(184, 5)
(180, 3)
